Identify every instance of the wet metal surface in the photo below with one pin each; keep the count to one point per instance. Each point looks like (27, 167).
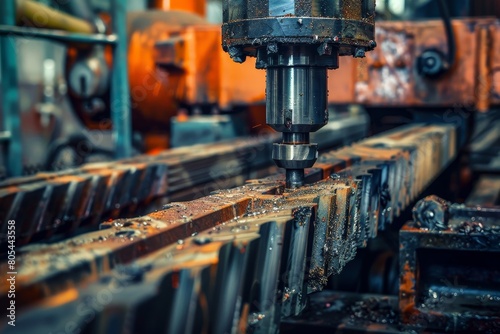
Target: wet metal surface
(236, 260)
(57, 203)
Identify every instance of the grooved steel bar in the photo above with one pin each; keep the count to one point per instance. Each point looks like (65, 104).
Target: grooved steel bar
(55, 203)
(237, 260)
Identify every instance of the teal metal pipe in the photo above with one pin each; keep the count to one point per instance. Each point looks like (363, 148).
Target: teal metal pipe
(11, 117)
(120, 90)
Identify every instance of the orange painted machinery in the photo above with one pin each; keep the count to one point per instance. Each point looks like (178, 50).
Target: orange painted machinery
(176, 63)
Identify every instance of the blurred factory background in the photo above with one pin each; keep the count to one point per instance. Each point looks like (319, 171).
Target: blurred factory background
(62, 126)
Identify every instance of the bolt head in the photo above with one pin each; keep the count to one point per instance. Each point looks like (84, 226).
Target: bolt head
(359, 53)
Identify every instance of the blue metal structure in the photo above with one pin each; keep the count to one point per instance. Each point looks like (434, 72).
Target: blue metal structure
(11, 117)
(120, 91)
(120, 94)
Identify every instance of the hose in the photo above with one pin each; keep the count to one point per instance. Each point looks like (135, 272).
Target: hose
(450, 36)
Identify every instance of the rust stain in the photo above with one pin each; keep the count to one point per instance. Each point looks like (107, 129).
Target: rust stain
(407, 294)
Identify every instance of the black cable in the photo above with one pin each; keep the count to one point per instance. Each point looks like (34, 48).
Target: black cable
(450, 36)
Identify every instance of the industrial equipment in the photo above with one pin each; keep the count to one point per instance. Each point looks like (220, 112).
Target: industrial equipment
(296, 42)
(140, 194)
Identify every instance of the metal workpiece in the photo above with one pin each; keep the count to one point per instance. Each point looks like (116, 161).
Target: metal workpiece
(67, 200)
(95, 192)
(237, 260)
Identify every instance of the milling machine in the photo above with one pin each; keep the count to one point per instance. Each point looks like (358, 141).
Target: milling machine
(296, 42)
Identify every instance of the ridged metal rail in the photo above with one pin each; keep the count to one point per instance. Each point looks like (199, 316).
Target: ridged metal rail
(235, 261)
(58, 203)
(55, 203)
